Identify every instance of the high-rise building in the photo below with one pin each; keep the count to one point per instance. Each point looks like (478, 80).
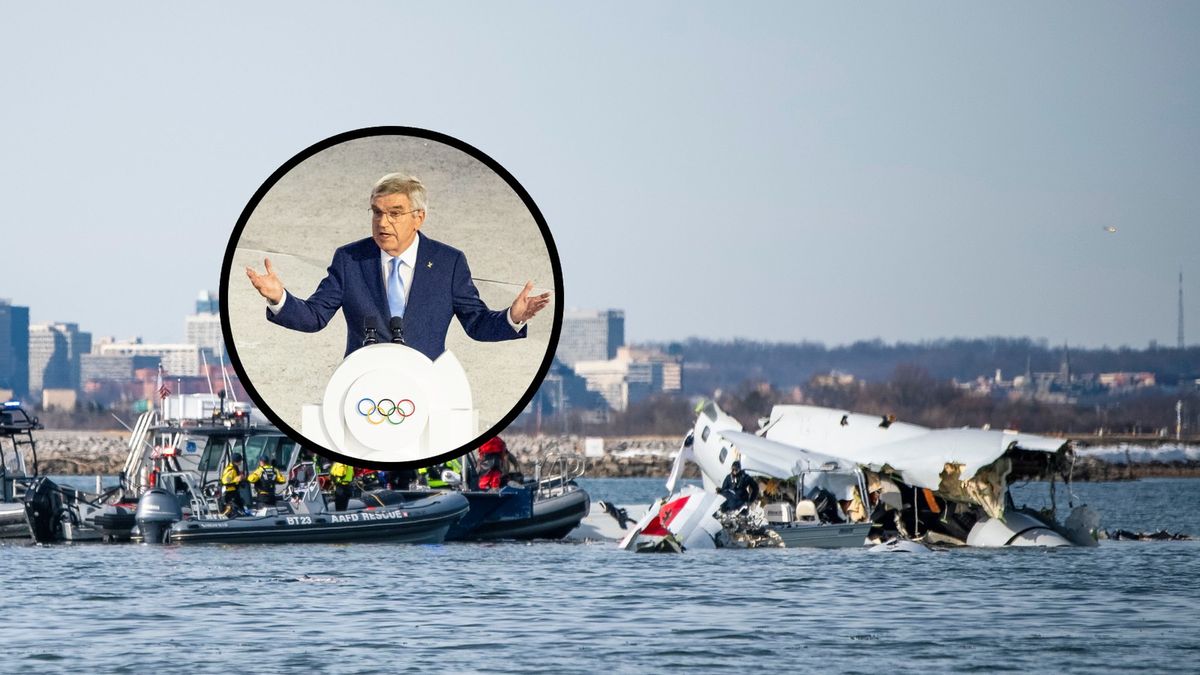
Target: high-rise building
(14, 348)
(113, 367)
(54, 351)
(590, 335)
(632, 376)
(611, 379)
(178, 360)
(208, 303)
(204, 331)
(563, 389)
(667, 370)
(203, 328)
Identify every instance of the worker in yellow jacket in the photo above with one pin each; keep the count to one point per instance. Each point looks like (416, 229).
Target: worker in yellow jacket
(231, 481)
(265, 479)
(342, 476)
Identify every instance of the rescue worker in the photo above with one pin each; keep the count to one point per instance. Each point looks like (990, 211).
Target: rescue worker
(491, 478)
(265, 479)
(367, 478)
(492, 456)
(343, 477)
(434, 477)
(231, 481)
(739, 489)
(402, 479)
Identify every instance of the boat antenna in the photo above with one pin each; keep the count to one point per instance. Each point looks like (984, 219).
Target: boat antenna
(130, 430)
(122, 423)
(207, 375)
(225, 379)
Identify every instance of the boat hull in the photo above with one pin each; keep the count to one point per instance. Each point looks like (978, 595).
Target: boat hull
(12, 521)
(800, 535)
(510, 513)
(424, 521)
(552, 518)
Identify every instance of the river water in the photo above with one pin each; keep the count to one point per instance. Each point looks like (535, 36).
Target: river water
(564, 607)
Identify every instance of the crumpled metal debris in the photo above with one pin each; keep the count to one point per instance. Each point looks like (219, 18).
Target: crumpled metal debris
(986, 488)
(746, 528)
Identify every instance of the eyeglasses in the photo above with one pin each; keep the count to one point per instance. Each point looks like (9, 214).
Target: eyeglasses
(392, 216)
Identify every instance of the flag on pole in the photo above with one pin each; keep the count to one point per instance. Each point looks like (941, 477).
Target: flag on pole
(163, 391)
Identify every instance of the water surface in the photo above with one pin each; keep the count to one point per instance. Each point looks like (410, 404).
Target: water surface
(561, 607)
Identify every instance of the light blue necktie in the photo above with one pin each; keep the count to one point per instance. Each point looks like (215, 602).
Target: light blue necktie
(395, 290)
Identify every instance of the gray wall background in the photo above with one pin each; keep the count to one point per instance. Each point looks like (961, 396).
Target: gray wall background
(323, 203)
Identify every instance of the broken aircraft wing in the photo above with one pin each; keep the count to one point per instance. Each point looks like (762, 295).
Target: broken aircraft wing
(921, 460)
(779, 460)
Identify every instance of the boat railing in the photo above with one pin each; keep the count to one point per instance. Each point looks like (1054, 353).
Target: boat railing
(17, 426)
(201, 506)
(555, 471)
(310, 496)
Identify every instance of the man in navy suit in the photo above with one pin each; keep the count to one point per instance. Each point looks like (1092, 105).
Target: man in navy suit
(398, 273)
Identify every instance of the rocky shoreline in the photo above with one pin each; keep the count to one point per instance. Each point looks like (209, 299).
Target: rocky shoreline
(103, 452)
(81, 452)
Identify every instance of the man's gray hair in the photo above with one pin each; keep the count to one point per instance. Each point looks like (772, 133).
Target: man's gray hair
(401, 184)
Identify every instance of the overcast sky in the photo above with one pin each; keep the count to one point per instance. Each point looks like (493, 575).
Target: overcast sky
(770, 171)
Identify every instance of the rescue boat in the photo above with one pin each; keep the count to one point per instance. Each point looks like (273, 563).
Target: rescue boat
(306, 518)
(547, 505)
(16, 474)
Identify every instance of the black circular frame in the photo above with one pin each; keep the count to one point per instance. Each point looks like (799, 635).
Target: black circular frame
(555, 264)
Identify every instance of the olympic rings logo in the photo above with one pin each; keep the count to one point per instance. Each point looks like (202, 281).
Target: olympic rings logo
(387, 409)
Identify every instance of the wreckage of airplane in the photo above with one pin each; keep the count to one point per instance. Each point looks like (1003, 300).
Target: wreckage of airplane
(830, 478)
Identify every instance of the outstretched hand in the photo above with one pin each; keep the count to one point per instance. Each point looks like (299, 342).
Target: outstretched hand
(268, 285)
(525, 307)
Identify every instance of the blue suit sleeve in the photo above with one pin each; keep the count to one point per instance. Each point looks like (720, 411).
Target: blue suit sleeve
(312, 314)
(479, 322)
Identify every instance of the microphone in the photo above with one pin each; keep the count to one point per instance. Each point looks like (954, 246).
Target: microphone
(370, 337)
(397, 326)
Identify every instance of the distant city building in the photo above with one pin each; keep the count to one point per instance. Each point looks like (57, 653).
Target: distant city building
(208, 303)
(54, 353)
(564, 390)
(59, 399)
(590, 335)
(204, 331)
(632, 376)
(144, 388)
(834, 378)
(99, 342)
(14, 349)
(610, 379)
(204, 328)
(177, 359)
(116, 367)
(668, 371)
(1123, 382)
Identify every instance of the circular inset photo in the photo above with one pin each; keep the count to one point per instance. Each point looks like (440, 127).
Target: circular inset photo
(391, 297)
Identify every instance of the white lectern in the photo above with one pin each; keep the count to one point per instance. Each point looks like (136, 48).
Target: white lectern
(390, 403)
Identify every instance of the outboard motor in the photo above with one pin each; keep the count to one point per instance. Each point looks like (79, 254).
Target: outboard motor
(157, 510)
(44, 510)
